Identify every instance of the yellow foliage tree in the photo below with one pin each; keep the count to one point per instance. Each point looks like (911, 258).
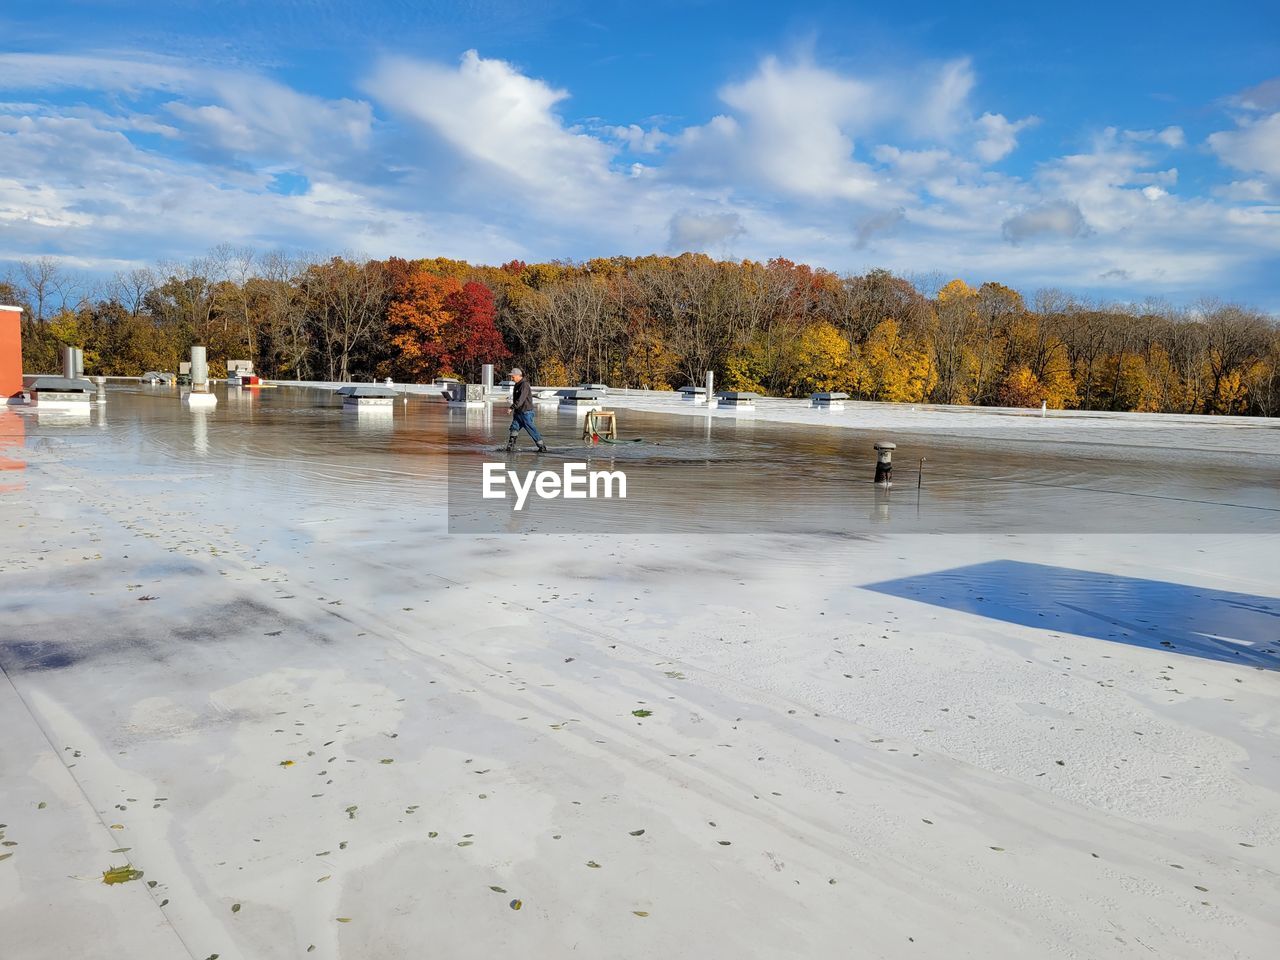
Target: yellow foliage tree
(552, 372)
(951, 331)
(73, 330)
(747, 367)
(445, 267)
(1171, 394)
(1034, 346)
(1233, 386)
(1132, 383)
(821, 361)
(1021, 388)
(649, 362)
(894, 368)
(957, 290)
(1059, 386)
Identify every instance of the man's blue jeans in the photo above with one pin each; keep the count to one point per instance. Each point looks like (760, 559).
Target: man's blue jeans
(523, 419)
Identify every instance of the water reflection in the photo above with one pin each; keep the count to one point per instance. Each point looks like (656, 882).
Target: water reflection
(370, 420)
(880, 507)
(241, 398)
(73, 415)
(477, 419)
(712, 473)
(12, 436)
(200, 431)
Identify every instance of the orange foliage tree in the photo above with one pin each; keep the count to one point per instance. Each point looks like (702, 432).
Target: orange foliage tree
(441, 325)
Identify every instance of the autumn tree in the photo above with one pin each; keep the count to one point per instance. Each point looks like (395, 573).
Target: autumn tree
(776, 327)
(470, 336)
(692, 297)
(416, 319)
(747, 366)
(1086, 333)
(1035, 347)
(998, 307)
(347, 302)
(286, 335)
(897, 369)
(822, 361)
(953, 323)
(1236, 339)
(439, 325)
(567, 320)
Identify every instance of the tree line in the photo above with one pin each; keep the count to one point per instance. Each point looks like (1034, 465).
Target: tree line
(777, 328)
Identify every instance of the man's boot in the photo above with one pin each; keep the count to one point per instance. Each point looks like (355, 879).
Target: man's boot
(542, 447)
(511, 442)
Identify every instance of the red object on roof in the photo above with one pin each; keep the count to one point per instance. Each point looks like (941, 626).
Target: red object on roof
(10, 353)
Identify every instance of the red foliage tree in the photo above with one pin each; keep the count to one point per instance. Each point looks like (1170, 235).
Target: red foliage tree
(472, 336)
(439, 325)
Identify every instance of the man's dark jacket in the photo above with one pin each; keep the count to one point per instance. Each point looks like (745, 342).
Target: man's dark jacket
(522, 397)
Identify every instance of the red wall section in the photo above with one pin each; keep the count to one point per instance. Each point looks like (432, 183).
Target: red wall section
(10, 353)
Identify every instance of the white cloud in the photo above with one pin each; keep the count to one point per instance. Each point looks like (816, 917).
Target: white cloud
(223, 110)
(792, 128)
(477, 159)
(128, 74)
(1249, 191)
(1254, 146)
(93, 196)
(490, 113)
(998, 136)
(1106, 182)
(914, 164)
(258, 117)
(944, 106)
(937, 108)
(1170, 136)
(799, 128)
(640, 140)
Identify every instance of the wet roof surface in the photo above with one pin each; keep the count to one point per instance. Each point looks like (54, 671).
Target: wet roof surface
(712, 473)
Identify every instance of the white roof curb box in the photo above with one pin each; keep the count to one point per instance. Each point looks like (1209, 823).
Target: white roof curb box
(581, 399)
(737, 400)
(361, 396)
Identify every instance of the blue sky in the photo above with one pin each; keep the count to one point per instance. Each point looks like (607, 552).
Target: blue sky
(1116, 150)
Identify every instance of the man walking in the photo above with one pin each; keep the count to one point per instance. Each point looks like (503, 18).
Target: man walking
(522, 412)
